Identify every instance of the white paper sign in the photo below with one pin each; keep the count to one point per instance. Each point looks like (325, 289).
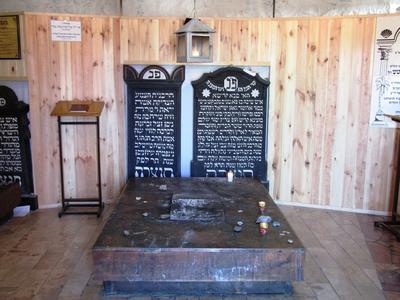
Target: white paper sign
(385, 96)
(66, 31)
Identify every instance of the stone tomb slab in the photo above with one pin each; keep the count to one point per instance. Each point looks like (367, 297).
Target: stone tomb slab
(141, 252)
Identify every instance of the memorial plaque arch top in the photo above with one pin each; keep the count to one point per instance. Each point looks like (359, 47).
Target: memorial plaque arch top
(15, 151)
(230, 124)
(154, 114)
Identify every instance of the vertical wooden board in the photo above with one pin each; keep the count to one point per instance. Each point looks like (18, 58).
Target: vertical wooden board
(343, 97)
(167, 29)
(300, 104)
(289, 29)
(61, 64)
(134, 42)
(32, 66)
(353, 121)
(85, 66)
(43, 128)
(374, 135)
(216, 23)
(319, 129)
(109, 142)
(120, 147)
(68, 134)
(311, 104)
(253, 40)
(275, 108)
(225, 53)
(213, 23)
(85, 160)
(334, 34)
(149, 39)
(235, 36)
(244, 41)
(20, 67)
(264, 40)
(124, 39)
(79, 54)
(368, 37)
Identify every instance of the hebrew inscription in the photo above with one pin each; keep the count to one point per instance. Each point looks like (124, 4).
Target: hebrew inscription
(153, 124)
(230, 124)
(10, 148)
(15, 156)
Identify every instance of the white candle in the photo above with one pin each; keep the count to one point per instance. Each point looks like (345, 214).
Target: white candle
(195, 53)
(230, 176)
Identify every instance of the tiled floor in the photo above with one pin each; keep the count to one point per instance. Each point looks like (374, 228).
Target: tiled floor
(44, 257)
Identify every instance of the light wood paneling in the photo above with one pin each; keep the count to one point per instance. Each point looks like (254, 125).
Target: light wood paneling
(321, 149)
(88, 70)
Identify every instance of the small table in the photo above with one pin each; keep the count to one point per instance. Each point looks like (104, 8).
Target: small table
(394, 224)
(79, 109)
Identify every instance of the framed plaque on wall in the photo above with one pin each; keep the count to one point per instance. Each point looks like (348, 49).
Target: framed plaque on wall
(10, 44)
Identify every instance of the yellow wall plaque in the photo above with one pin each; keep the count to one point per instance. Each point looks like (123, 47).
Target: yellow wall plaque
(9, 37)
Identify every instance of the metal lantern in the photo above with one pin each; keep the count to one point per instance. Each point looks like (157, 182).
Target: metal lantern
(194, 42)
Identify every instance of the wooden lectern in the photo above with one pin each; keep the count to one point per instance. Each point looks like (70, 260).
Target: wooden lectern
(79, 109)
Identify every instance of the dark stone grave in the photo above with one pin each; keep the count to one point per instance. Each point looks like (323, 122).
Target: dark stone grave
(15, 151)
(230, 124)
(140, 251)
(154, 116)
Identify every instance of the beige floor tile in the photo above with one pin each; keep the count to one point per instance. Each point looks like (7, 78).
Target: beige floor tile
(369, 292)
(302, 288)
(324, 291)
(312, 271)
(31, 283)
(372, 274)
(341, 283)
(347, 264)
(322, 258)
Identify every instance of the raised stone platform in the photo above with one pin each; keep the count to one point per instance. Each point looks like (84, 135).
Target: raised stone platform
(138, 252)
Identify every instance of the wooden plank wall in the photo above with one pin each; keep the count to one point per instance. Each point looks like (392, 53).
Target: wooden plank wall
(321, 149)
(65, 71)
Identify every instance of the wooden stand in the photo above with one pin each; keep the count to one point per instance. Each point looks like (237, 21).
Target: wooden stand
(394, 224)
(79, 109)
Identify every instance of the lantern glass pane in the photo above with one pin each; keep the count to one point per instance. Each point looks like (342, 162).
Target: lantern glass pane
(200, 46)
(181, 51)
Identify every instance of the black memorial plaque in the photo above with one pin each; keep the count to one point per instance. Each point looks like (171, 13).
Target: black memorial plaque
(154, 113)
(230, 117)
(15, 152)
